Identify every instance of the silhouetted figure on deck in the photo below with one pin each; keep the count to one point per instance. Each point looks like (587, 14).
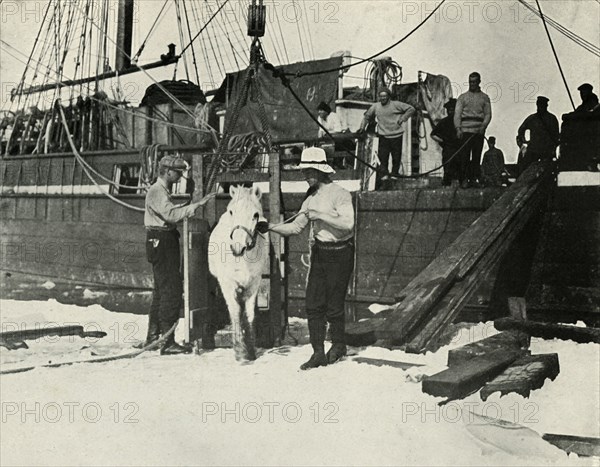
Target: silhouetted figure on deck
(492, 166)
(445, 134)
(543, 135)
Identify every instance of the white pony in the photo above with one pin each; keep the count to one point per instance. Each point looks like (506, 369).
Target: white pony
(238, 255)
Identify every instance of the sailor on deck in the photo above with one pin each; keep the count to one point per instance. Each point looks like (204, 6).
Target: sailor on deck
(471, 118)
(328, 119)
(162, 251)
(543, 135)
(328, 209)
(391, 116)
(445, 134)
(589, 100)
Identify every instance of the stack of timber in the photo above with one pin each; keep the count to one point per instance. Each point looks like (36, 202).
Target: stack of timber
(500, 363)
(434, 297)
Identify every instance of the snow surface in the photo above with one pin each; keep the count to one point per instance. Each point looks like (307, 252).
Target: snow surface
(209, 410)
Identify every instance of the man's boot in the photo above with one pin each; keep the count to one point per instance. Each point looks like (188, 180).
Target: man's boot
(316, 329)
(170, 347)
(153, 333)
(337, 329)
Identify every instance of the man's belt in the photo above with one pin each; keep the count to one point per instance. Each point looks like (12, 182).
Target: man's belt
(472, 119)
(334, 245)
(158, 228)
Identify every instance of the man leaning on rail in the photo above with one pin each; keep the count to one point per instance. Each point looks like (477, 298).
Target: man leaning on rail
(162, 251)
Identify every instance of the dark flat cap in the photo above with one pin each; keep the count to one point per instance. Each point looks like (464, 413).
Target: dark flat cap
(173, 163)
(585, 87)
(542, 99)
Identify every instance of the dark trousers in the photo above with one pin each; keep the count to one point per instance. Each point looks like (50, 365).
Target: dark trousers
(451, 162)
(330, 272)
(389, 146)
(470, 157)
(162, 251)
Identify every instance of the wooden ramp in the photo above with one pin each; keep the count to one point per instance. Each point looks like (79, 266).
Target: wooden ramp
(434, 297)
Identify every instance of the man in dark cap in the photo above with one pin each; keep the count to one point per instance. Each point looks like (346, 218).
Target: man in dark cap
(589, 100)
(391, 116)
(162, 251)
(543, 135)
(445, 134)
(492, 165)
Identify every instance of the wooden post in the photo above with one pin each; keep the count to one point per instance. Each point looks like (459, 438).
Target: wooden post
(186, 281)
(198, 316)
(276, 321)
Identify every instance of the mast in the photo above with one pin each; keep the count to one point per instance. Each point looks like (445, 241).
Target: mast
(124, 34)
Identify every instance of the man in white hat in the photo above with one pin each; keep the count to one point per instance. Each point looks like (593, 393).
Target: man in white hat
(328, 209)
(162, 251)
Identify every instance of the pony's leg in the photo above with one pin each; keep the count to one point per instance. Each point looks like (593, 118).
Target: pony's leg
(248, 330)
(235, 310)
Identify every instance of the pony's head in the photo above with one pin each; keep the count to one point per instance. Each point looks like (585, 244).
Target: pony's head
(245, 212)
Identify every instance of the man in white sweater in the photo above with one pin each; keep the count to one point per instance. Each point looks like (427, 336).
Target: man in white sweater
(471, 118)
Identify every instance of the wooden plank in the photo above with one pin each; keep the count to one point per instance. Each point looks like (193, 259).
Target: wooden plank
(524, 375)
(459, 381)
(381, 362)
(39, 332)
(512, 340)
(549, 330)
(580, 445)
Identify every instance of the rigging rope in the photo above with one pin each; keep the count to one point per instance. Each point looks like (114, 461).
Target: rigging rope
(207, 23)
(345, 67)
(555, 55)
(565, 31)
(143, 46)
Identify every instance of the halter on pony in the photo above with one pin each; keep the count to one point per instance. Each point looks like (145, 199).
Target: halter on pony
(261, 227)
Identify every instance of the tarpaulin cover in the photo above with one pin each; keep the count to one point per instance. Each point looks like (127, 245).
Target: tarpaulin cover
(286, 118)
